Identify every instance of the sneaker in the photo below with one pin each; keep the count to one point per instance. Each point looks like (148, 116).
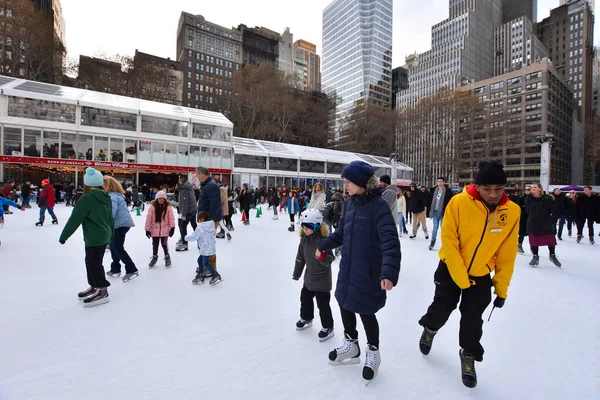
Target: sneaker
(215, 280)
(535, 261)
(198, 279)
(426, 340)
(86, 293)
(348, 353)
(326, 334)
(521, 251)
(373, 359)
(467, 366)
(555, 260)
(100, 296)
(109, 273)
(153, 261)
(167, 260)
(303, 324)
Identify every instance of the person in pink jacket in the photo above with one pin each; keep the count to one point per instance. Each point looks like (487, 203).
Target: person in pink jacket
(160, 226)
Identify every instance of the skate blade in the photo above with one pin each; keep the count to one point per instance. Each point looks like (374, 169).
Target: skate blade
(96, 303)
(130, 278)
(327, 337)
(352, 361)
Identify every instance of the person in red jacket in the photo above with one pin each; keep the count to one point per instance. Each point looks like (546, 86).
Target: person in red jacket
(46, 202)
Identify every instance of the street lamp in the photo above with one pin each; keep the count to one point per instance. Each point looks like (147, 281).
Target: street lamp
(545, 141)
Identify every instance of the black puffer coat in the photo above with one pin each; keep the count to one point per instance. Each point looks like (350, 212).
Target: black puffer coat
(524, 215)
(539, 222)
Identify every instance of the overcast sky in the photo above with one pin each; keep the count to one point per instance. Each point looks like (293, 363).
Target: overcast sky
(121, 26)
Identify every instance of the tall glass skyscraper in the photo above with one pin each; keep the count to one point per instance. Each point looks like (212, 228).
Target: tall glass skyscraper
(357, 52)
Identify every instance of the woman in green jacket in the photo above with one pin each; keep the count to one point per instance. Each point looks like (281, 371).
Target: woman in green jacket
(93, 212)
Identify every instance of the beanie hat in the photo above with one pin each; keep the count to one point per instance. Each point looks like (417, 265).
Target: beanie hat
(358, 172)
(160, 195)
(386, 179)
(45, 182)
(490, 173)
(92, 178)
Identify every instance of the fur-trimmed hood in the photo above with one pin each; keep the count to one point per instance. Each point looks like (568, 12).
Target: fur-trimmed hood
(323, 232)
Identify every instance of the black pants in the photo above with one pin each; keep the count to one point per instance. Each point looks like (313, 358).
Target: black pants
(292, 217)
(118, 253)
(189, 218)
(472, 305)
(93, 264)
(163, 242)
(369, 322)
(228, 222)
(307, 306)
(247, 213)
(590, 224)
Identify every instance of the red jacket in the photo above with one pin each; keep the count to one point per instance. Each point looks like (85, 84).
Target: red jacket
(6, 191)
(46, 198)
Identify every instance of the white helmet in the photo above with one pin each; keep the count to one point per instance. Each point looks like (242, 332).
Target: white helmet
(311, 216)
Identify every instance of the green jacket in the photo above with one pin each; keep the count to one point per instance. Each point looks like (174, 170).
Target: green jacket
(94, 212)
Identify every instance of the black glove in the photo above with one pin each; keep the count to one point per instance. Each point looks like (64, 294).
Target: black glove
(499, 302)
(171, 232)
(148, 235)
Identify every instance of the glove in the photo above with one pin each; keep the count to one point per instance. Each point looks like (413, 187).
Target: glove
(171, 232)
(322, 257)
(499, 302)
(61, 241)
(148, 235)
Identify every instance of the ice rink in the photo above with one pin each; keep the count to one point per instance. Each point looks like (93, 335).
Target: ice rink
(161, 337)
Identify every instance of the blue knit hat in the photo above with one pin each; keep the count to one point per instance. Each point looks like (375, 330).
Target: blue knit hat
(92, 178)
(358, 172)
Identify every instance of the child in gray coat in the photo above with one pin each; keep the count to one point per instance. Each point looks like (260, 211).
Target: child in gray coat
(317, 277)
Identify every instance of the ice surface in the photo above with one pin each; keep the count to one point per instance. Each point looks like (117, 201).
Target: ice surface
(161, 337)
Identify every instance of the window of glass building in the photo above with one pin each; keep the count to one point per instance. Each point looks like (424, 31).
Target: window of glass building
(183, 151)
(85, 147)
(41, 109)
(158, 150)
(91, 116)
(170, 153)
(164, 126)
(195, 156)
(335, 168)
(68, 145)
(205, 155)
(312, 166)
(12, 141)
(130, 150)
(101, 148)
(50, 148)
(145, 153)
(216, 157)
(32, 142)
(206, 132)
(226, 161)
(116, 149)
(248, 161)
(283, 164)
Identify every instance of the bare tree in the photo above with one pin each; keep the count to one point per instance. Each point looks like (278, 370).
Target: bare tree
(368, 129)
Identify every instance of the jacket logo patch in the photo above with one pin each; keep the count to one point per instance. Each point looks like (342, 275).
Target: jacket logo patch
(503, 220)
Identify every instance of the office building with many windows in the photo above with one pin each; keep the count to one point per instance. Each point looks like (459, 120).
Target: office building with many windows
(516, 45)
(357, 53)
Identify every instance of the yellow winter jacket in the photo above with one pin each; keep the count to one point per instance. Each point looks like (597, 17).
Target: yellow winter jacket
(476, 241)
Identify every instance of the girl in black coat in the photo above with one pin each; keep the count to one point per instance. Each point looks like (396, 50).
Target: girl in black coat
(245, 199)
(524, 216)
(539, 224)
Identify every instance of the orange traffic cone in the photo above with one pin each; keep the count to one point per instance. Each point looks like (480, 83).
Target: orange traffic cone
(243, 216)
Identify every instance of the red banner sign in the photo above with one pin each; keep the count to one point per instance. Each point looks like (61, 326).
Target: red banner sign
(102, 164)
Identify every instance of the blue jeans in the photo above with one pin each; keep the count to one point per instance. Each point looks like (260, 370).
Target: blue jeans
(561, 224)
(203, 263)
(437, 221)
(401, 223)
(43, 213)
(25, 201)
(118, 253)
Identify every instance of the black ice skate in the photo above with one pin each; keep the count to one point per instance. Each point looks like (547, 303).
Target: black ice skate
(100, 296)
(167, 261)
(215, 280)
(426, 236)
(535, 261)
(412, 236)
(130, 276)
(54, 222)
(373, 359)
(347, 354)
(153, 261)
(220, 235)
(39, 223)
(303, 324)
(326, 334)
(291, 228)
(86, 293)
(109, 273)
(467, 366)
(228, 237)
(432, 244)
(182, 247)
(426, 340)
(521, 251)
(198, 279)
(579, 237)
(592, 240)
(555, 260)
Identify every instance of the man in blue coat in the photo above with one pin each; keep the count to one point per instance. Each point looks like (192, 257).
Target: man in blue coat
(209, 201)
(370, 263)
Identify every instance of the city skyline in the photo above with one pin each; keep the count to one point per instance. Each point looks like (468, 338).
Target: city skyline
(153, 29)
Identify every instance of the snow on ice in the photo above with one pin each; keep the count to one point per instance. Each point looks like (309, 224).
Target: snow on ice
(161, 337)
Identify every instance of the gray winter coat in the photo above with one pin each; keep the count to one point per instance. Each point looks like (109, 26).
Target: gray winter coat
(317, 277)
(389, 195)
(187, 199)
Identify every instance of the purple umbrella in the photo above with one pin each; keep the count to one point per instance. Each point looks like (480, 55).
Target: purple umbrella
(572, 187)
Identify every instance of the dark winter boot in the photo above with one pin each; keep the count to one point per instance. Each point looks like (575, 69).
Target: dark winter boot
(426, 340)
(167, 260)
(373, 359)
(467, 366)
(39, 223)
(555, 260)
(535, 261)
(521, 251)
(153, 261)
(432, 244)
